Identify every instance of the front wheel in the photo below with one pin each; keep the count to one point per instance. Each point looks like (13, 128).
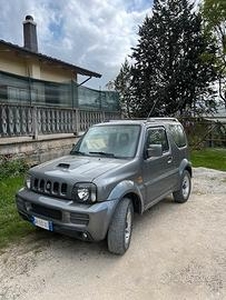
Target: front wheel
(120, 229)
(183, 193)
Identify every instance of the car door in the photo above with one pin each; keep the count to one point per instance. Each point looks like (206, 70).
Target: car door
(157, 170)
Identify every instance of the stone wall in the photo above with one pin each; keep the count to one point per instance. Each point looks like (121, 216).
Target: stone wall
(37, 151)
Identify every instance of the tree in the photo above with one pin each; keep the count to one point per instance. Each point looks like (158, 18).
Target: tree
(122, 85)
(170, 75)
(214, 14)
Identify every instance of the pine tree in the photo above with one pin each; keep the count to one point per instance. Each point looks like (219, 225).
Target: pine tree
(170, 76)
(122, 85)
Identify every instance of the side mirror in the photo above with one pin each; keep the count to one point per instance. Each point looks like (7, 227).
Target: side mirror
(154, 150)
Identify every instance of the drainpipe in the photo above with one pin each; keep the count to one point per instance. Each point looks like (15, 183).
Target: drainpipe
(29, 85)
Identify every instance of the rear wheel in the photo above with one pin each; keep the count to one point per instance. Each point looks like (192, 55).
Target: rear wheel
(120, 229)
(183, 193)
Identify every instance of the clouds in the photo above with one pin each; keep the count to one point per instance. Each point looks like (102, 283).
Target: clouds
(93, 34)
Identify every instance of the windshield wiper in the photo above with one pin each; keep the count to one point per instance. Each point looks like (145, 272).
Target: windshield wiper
(74, 152)
(102, 153)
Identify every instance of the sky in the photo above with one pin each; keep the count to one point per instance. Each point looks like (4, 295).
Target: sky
(93, 34)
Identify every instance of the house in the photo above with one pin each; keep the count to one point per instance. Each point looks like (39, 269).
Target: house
(28, 75)
(42, 107)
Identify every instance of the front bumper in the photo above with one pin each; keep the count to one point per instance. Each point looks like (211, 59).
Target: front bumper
(82, 221)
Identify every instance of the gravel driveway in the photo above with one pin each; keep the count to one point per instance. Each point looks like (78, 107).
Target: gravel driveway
(178, 251)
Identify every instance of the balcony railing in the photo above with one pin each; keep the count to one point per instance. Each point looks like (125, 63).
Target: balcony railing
(24, 120)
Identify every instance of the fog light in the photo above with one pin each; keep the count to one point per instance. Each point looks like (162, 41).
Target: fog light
(84, 235)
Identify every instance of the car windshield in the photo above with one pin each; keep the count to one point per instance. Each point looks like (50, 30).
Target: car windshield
(119, 141)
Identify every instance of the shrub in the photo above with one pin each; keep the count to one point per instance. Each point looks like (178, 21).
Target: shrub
(12, 167)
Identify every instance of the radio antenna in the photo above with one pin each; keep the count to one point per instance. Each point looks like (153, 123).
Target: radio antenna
(151, 110)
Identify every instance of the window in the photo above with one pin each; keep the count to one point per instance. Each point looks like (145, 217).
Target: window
(158, 136)
(178, 135)
(118, 140)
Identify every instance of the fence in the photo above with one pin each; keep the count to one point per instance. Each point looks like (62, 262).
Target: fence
(25, 90)
(205, 132)
(30, 107)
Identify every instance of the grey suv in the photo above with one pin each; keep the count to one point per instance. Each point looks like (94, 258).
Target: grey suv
(116, 168)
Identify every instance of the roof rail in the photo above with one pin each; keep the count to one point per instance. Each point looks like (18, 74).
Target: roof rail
(162, 119)
(144, 120)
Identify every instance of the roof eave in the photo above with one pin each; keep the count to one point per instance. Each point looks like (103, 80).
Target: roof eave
(41, 56)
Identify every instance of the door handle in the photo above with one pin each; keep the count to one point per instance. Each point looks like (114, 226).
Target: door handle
(169, 160)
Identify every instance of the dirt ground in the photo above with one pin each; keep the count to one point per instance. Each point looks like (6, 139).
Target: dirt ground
(178, 251)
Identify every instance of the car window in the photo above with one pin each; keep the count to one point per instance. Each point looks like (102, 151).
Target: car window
(157, 136)
(115, 140)
(178, 135)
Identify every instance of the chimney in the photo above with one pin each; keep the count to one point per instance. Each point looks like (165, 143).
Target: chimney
(30, 34)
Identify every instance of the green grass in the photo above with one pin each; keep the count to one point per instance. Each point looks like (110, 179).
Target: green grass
(12, 227)
(209, 158)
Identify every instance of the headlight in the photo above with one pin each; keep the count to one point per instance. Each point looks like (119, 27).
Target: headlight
(84, 192)
(28, 181)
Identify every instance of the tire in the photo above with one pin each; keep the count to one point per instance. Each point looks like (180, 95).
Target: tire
(183, 193)
(120, 229)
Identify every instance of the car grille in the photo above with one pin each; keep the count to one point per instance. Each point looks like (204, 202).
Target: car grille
(79, 219)
(46, 212)
(49, 187)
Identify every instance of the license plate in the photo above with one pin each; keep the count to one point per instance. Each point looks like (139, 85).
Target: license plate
(48, 225)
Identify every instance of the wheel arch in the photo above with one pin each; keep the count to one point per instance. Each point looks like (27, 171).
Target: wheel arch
(136, 201)
(189, 169)
(128, 189)
(185, 165)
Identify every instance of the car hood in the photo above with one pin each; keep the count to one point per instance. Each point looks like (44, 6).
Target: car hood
(77, 167)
